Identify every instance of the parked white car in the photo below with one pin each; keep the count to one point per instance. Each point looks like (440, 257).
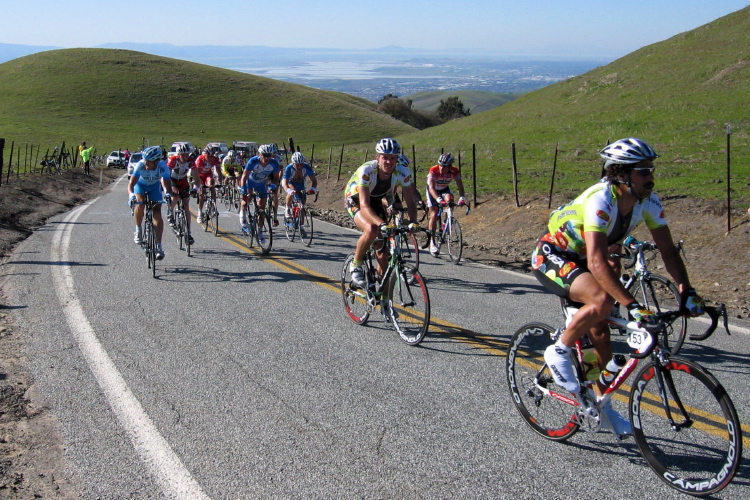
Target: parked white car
(116, 159)
(134, 158)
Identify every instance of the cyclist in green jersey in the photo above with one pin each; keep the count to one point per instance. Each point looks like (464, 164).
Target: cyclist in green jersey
(573, 260)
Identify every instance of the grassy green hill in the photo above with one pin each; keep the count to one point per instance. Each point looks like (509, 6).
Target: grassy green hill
(678, 94)
(113, 98)
(477, 101)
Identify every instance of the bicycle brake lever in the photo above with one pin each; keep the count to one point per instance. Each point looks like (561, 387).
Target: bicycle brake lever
(713, 313)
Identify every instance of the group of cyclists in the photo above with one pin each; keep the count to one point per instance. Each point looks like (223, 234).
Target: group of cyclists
(575, 259)
(155, 179)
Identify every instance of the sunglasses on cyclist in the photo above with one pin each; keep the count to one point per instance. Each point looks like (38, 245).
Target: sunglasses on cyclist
(645, 170)
(266, 155)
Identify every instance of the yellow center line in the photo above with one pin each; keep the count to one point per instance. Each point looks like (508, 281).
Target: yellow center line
(446, 329)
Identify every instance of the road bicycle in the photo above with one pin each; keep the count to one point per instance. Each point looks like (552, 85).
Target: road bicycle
(149, 231)
(408, 242)
(301, 220)
(450, 231)
(230, 195)
(684, 422)
(657, 293)
(181, 228)
(400, 292)
(255, 227)
(210, 213)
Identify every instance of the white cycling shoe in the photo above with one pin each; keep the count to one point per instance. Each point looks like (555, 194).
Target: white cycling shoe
(614, 422)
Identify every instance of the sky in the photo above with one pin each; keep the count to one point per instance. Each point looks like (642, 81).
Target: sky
(577, 29)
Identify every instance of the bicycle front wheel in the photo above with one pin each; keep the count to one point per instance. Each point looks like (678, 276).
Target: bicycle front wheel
(355, 298)
(410, 249)
(699, 452)
(531, 384)
(455, 241)
(657, 293)
(306, 227)
(265, 235)
(151, 247)
(409, 304)
(215, 218)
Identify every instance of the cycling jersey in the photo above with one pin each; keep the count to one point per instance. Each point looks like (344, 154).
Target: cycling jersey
(596, 210)
(256, 180)
(230, 167)
(206, 164)
(180, 169)
(367, 176)
(149, 181)
(442, 180)
(296, 178)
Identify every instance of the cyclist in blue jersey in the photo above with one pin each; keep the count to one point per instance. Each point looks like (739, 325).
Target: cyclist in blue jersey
(259, 169)
(572, 260)
(293, 180)
(150, 176)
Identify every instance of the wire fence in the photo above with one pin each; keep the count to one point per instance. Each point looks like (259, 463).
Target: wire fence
(36, 159)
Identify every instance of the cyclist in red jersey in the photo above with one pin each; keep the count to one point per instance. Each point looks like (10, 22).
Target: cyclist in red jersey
(180, 166)
(439, 178)
(208, 165)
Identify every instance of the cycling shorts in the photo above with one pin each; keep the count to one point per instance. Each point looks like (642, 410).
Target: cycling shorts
(153, 191)
(432, 202)
(555, 268)
(183, 187)
(352, 206)
(260, 189)
(205, 176)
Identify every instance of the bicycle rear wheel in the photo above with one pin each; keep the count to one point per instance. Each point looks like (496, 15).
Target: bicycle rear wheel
(660, 294)
(306, 227)
(290, 227)
(455, 241)
(699, 454)
(205, 216)
(151, 247)
(409, 304)
(266, 230)
(530, 382)
(355, 298)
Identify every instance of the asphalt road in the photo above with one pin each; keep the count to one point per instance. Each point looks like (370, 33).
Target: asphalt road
(236, 376)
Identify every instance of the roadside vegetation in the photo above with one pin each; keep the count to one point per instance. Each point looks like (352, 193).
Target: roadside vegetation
(680, 95)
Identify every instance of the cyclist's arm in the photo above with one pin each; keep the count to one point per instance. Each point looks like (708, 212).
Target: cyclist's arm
(411, 202)
(131, 184)
(597, 254)
(313, 181)
(243, 179)
(460, 186)
(671, 256)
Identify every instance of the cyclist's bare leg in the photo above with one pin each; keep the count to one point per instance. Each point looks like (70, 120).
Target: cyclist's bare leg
(158, 223)
(139, 210)
(261, 206)
(370, 226)
(201, 198)
(597, 306)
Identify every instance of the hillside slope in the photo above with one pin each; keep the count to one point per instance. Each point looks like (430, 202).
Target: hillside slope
(679, 94)
(113, 98)
(476, 101)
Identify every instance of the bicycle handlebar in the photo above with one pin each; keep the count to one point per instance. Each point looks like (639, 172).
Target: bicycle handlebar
(714, 313)
(670, 316)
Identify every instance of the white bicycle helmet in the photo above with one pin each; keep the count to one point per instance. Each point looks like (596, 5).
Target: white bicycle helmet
(403, 160)
(230, 154)
(183, 149)
(627, 151)
(388, 146)
(152, 153)
(265, 149)
(298, 157)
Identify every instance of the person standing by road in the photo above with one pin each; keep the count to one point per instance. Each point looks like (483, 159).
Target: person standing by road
(86, 158)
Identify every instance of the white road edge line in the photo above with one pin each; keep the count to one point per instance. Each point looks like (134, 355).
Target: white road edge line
(167, 469)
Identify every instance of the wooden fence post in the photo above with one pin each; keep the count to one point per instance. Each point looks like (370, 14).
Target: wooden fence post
(474, 171)
(10, 162)
(330, 159)
(515, 173)
(341, 161)
(729, 171)
(2, 159)
(552, 182)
